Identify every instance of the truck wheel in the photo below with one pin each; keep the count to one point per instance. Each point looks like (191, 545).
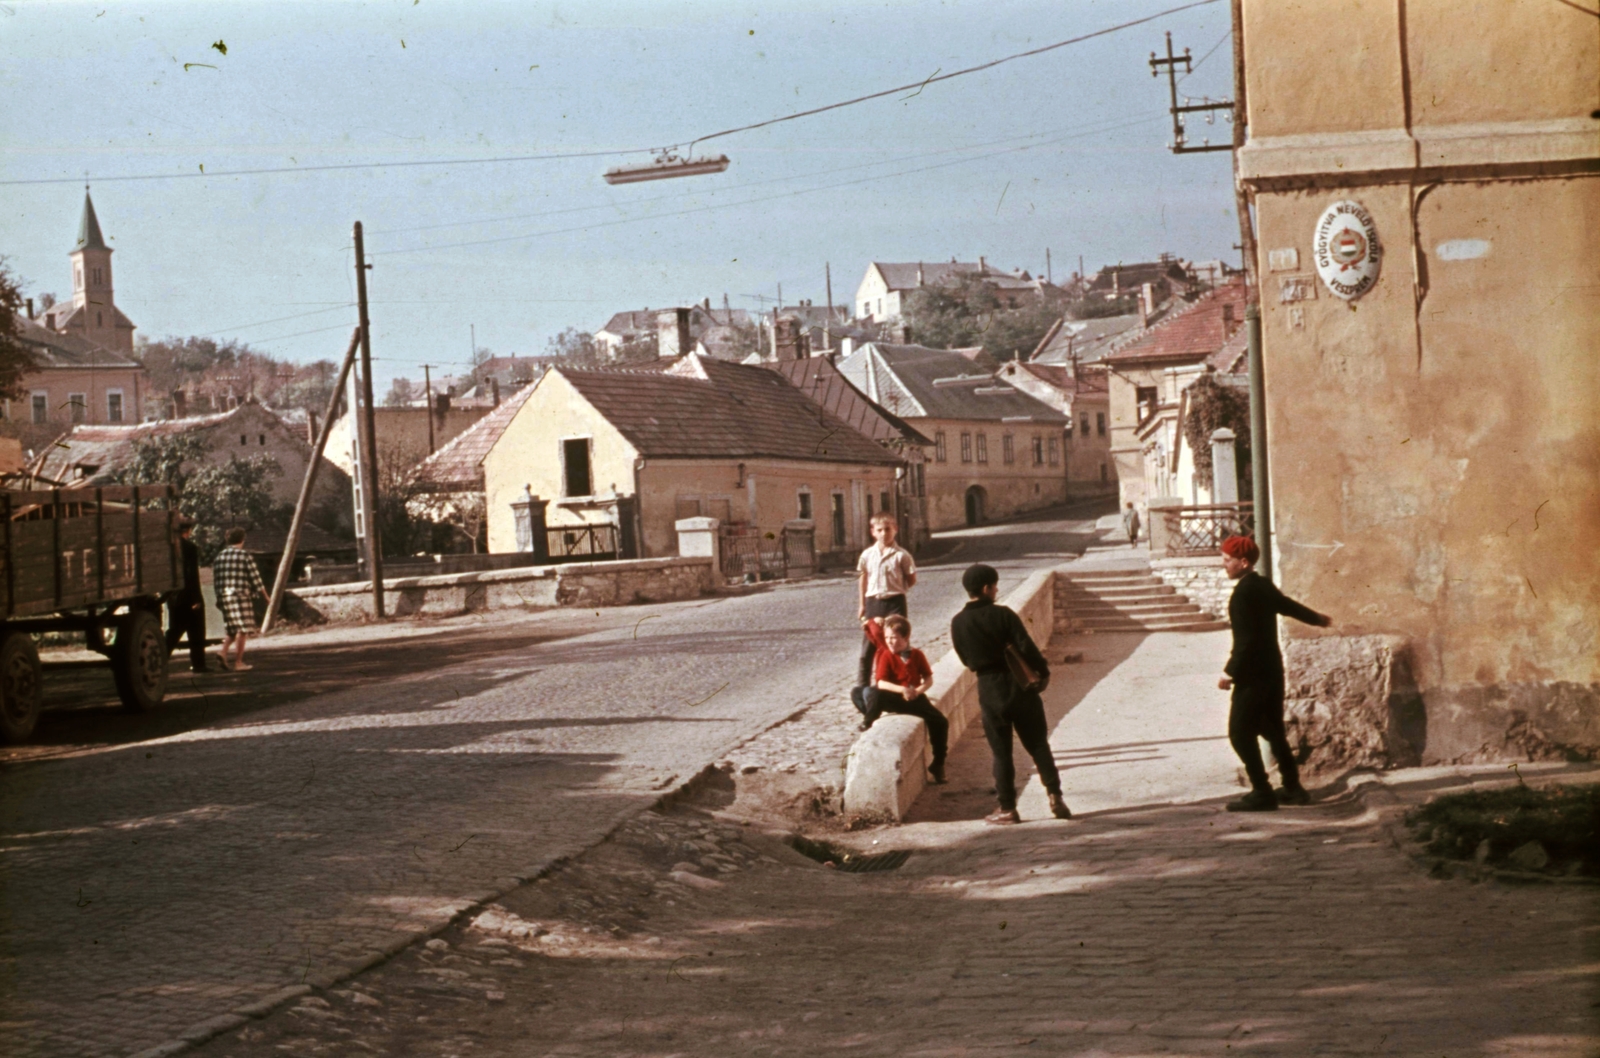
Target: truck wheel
(19, 687)
(139, 661)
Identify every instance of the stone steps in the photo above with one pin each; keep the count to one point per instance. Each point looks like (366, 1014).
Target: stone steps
(1126, 600)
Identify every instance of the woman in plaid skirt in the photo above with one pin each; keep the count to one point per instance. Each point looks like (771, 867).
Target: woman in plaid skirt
(237, 581)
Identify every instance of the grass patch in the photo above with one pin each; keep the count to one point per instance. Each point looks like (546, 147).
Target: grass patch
(1496, 827)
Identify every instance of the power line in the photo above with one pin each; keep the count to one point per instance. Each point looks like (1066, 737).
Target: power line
(298, 334)
(920, 85)
(262, 323)
(1202, 61)
(736, 187)
(508, 159)
(750, 201)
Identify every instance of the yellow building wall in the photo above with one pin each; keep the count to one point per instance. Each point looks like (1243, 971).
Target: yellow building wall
(1007, 489)
(1435, 445)
(775, 487)
(529, 454)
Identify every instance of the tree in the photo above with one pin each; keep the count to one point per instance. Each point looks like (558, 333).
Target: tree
(210, 372)
(1213, 405)
(970, 313)
(16, 359)
(215, 495)
(401, 393)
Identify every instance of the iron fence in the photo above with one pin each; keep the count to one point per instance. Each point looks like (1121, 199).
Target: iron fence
(1201, 530)
(750, 553)
(572, 543)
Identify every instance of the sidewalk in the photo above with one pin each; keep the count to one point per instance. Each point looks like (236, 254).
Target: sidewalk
(1152, 923)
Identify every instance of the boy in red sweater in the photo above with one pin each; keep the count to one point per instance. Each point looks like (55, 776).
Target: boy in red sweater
(901, 677)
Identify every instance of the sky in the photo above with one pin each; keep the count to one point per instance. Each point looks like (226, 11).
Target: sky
(1064, 151)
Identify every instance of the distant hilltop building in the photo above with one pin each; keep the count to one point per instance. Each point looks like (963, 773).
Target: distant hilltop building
(93, 315)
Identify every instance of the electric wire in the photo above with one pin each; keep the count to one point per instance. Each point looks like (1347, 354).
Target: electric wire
(744, 202)
(511, 159)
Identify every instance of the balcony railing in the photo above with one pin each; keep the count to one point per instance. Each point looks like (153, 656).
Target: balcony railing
(1196, 531)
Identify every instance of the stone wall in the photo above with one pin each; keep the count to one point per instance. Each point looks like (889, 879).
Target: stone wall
(573, 584)
(1201, 580)
(1353, 702)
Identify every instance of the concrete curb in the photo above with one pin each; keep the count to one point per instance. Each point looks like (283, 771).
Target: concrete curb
(887, 767)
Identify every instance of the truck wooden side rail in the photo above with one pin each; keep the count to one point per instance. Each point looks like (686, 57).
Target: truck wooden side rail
(91, 560)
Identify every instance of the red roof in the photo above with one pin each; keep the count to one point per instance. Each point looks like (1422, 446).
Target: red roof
(1192, 335)
(457, 467)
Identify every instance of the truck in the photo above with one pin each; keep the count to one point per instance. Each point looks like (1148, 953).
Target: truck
(100, 561)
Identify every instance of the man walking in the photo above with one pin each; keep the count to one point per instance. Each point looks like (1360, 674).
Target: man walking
(186, 611)
(980, 633)
(237, 581)
(1255, 675)
(1130, 524)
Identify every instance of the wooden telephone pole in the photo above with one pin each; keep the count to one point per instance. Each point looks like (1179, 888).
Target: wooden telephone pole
(369, 436)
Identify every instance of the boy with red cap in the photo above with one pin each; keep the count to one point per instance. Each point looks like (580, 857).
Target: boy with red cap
(1255, 675)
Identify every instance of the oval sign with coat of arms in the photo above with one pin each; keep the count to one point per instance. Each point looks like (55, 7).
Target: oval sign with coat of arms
(1346, 249)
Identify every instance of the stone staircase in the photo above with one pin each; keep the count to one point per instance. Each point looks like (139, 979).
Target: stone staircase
(1124, 600)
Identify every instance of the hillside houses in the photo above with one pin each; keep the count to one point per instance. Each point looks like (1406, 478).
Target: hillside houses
(639, 450)
(996, 450)
(1147, 380)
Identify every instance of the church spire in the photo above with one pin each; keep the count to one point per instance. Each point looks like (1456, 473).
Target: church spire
(89, 237)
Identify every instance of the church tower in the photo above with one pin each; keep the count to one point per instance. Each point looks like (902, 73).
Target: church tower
(94, 314)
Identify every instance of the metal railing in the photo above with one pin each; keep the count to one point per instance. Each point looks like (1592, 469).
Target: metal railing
(752, 553)
(582, 543)
(1193, 531)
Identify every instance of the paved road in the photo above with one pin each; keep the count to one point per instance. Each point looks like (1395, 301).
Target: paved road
(147, 884)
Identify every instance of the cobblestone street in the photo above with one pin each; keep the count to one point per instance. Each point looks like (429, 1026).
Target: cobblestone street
(1152, 923)
(271, 841)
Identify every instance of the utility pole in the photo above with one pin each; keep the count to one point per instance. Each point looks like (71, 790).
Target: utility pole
(369, 434)
(1241, 121)
(1208, 107)
(1047, 276)
(427, 395)
(827, 326)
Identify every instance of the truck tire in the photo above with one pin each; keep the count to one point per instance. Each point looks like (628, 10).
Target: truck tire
(139, 661)
(19, 687)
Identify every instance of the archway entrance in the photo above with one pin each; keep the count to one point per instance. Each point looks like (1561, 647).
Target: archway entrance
(975, 497)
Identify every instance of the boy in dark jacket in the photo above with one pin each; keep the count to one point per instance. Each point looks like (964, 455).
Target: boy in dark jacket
(1255, 675)
(980, 634)
(186, 611)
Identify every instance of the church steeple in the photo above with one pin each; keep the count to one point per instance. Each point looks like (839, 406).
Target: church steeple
(89, 237)
(95, 316)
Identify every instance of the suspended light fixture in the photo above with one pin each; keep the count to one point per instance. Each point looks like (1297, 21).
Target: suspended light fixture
(666, 165)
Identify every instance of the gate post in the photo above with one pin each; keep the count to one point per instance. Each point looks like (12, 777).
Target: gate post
(699, 538)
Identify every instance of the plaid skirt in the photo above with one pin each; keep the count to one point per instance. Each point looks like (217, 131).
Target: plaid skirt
(238, 615)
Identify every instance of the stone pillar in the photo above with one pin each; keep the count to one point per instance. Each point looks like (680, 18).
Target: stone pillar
(698, 538)
(1156, 523)
(1224, 471)
(528, 516)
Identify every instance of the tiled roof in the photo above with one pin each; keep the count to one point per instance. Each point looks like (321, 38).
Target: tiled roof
(707, 408)
(631, 322)
(1088, 340)
(902, 275)
(1191, 335)
(67, 350)
(917, 382)
(1130, 277)
(1059, 376)
(818, 379)
(109, 448)
(458, 465)
(1230, 359)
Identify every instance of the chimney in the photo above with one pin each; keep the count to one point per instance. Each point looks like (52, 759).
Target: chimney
(919, 273)
(30, 308)
(180, 404)
(494, 391)
(706, 304)
(1147, 304)
(1227, 321)
(441, 406)
(685, 341)
(983, 266)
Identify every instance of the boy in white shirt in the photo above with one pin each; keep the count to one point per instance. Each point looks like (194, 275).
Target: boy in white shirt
(886, 572)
